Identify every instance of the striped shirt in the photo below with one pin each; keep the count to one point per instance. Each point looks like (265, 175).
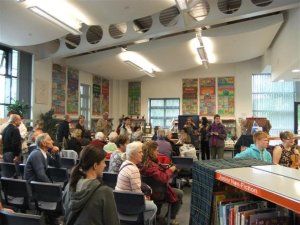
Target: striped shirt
(129, 178)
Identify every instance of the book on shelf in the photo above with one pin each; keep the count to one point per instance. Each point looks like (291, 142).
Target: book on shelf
(238, 209)
(280, 220)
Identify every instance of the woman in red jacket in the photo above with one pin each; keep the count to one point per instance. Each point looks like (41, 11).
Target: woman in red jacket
(152, 168)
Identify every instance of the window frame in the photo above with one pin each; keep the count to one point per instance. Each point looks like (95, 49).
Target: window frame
(165, 108)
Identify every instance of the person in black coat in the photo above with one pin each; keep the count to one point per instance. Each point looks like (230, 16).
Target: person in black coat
(63, 130)
(11, 139)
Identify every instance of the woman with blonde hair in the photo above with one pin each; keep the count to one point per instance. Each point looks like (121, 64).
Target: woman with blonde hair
(282, 153)
(75, 141)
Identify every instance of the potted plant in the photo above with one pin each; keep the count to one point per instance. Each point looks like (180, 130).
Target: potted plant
(50, 123)
(20, 107)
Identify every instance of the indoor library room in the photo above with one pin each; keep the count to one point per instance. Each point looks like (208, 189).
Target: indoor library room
(149, 112)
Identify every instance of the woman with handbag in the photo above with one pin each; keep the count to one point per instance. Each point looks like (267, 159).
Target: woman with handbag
(85, 200)
(152, 168)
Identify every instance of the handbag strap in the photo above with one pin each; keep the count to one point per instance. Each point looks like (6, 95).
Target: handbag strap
(74, 218)
(128, 164)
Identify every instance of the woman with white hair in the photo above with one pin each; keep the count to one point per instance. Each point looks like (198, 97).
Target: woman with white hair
(100, 140)
(129, 177)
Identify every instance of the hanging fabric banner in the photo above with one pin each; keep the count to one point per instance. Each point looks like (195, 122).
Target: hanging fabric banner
(207, 87)
(226, 96)
(58, 89)
(189, 96)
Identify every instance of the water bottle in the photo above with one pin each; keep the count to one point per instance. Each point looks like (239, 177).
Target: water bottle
(254, 127)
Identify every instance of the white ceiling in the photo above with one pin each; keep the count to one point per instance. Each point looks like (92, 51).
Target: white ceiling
(231, 42)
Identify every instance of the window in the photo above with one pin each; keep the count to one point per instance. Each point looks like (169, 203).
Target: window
(163, 110)
(85, 103)
(9, 70)
(275, 101)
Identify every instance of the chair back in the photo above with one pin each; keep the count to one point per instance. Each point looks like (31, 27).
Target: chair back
(107, 165)
(47, 196)
(159, 190)
(8, 218)
(58, 175)
(16, 192)
(67, 163)
(182, 162)
(110, 179)
(22, 170)
(133, 213)
(69, 154)
(8, 169)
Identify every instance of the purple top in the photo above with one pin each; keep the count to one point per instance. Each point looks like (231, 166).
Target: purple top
(164, 148)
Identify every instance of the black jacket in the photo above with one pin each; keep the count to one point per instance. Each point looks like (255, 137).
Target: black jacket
(11, 139)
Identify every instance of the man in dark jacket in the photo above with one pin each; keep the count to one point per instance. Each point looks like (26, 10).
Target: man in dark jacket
(11, 139)
(40, 158)
(63, 131)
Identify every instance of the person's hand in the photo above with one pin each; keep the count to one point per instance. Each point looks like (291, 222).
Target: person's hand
(172, 168)
(16, 159)
(55, 150)
(8, 210)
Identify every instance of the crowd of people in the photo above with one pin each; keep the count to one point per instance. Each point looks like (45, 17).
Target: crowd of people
(86, 199)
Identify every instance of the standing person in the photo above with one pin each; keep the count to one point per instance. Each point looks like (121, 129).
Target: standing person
(11, 139)
(217, 135)
(129, 177)
(63, 131)
(282, 153)
(104, 124)
(80, 124)
(40, 158)
(205, 154)
(126, 128)
(190, 128)
(152, 168)
(258, 149)
(86, 200)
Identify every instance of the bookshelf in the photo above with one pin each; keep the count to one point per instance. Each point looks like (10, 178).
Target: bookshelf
(230, 126)
(269, 184)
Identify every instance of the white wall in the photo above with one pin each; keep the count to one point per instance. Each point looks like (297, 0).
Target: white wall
(285, 50)
(170, 86)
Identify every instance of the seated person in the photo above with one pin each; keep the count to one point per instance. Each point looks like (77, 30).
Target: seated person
(244, 141)
(100, 140)
(118, 156)
(164, 147)
(258, 149)
(75, 141)
(137, 134)
(282, 153)
(111, 146)
(152, 168)
(129, 177)
(39, 159)
(187, 149)
(85, 200)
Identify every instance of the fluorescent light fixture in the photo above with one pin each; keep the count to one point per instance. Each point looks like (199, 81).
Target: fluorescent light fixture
(137, 67)
(37, 10)
(202, 53)
(205, 64)
(296, 71)
(138, 62)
